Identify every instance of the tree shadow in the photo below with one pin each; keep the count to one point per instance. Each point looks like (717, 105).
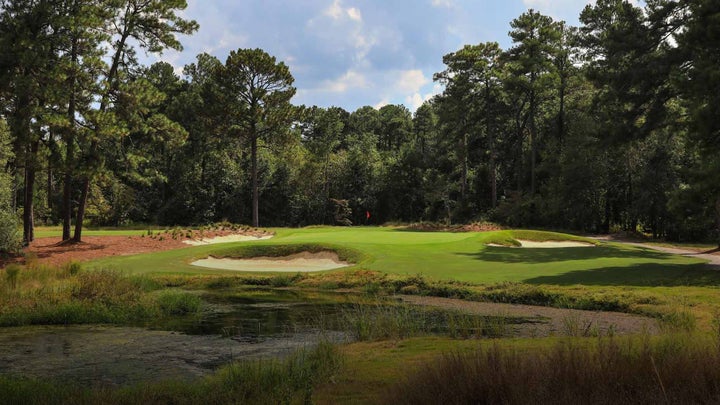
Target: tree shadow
(638, 275)
(544, 255)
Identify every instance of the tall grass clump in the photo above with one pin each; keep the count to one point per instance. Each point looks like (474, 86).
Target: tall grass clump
(37, 294)
(368, 322)
(279, 381)
(11, 275)
(678, 369)
(178, 303)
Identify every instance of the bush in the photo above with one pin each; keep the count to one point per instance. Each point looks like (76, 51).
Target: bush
(10, 235)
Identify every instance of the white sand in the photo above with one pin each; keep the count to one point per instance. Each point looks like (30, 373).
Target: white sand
(225, 239)
(550, 244)
(300, 263)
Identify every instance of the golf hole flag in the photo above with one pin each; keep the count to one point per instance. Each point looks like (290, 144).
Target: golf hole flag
(367, 214)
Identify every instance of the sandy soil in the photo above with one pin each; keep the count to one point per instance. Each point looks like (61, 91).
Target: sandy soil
(53, 252)
(551, 244)
(547, 321)
(299, 263)
(225, 239)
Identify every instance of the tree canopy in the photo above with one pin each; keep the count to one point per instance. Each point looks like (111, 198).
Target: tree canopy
(611, 125)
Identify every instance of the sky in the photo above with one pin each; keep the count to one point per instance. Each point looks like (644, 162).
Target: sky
(352, 53)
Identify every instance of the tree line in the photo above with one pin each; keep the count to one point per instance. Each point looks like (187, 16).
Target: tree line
(611, 125)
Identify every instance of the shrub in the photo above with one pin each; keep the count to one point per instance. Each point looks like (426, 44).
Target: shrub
(10, 236)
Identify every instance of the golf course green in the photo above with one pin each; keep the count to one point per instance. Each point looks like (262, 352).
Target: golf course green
(462, 257)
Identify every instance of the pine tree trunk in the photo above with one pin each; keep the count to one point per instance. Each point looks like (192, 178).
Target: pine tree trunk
(67, 191)
(29, 195)
(464, 174)
(255, 191)
(69, 151)
(717, 218)
(81, 210)
(50, 190)
(533, 151)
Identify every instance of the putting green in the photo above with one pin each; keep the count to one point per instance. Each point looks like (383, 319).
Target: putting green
(457, 256)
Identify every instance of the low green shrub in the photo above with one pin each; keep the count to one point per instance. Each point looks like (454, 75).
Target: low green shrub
(10, 235)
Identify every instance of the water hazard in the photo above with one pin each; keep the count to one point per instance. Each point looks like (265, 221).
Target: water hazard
(232, 328)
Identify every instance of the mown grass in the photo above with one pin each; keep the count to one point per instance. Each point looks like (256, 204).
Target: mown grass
(270, 381)
(449, 256)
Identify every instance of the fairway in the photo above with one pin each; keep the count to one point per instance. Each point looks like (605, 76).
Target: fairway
(455, 256)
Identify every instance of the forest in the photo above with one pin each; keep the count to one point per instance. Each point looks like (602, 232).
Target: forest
(609, 126)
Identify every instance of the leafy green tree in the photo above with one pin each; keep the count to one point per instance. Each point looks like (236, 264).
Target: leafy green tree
(10, 237)
(257, 90)
(80, 59)
(699, 49)
(536, 38)
(153, 25)
(28, 43)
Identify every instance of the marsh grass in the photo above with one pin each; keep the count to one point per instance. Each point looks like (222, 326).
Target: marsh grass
(677, 368)
(11, 275)
(373, 322)
(38, 294)
(172, 302)
(678, 321)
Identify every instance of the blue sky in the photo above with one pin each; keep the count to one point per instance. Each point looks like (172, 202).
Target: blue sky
(351, 53)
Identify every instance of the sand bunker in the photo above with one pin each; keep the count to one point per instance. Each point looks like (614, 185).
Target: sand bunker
(298, 263)
(226, 239)
(550, 244)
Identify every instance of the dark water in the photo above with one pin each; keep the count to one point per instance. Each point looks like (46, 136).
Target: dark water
(265, 315)
(232, 327)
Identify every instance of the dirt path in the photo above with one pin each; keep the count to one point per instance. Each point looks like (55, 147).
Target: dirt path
(547, 321)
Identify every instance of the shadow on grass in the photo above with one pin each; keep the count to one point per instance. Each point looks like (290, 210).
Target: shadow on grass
(638, 275)
(543, 255)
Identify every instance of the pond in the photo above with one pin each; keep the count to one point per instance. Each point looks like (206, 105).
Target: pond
(235, 326)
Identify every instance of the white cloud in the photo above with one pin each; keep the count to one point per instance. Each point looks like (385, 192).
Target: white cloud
(382, 103)
(414, 101)
(411, 80)
(443, 3)
(354, 14)
(350, 80)
(335, 11)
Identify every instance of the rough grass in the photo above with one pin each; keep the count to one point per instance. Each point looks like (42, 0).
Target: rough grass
(45, 295)
(670, 369)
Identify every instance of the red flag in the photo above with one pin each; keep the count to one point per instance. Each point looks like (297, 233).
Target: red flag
(367, 214)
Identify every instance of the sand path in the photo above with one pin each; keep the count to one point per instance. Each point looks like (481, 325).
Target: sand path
(547, 321)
